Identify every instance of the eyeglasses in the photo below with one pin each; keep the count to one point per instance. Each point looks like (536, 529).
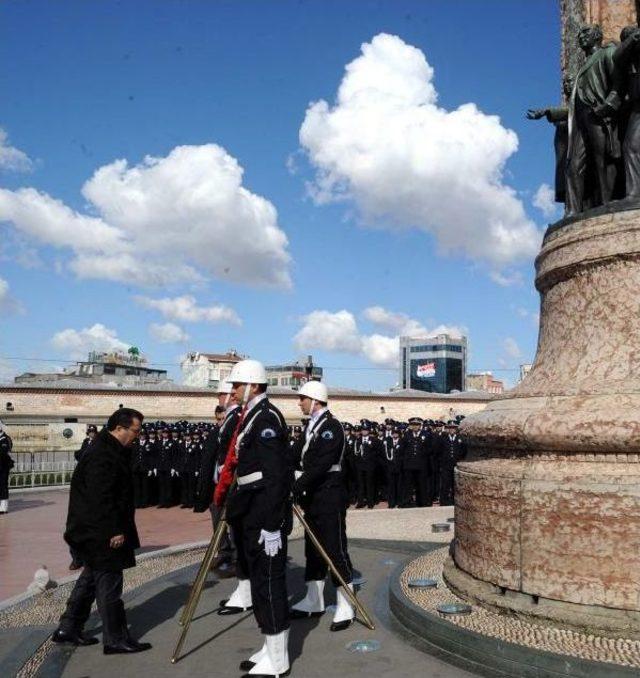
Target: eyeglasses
(135, 431)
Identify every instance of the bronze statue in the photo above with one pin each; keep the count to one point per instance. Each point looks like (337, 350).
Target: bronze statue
(559, 117)
(594, 145)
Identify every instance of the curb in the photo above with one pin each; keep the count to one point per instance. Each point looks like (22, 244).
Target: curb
(485, 655)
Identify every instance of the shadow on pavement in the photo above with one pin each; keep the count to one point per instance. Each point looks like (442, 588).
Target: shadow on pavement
(24, 504)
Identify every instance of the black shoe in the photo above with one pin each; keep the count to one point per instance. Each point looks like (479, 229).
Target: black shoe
(225, 571)
(299, 614)
(126, 647)
(246, 665)
(225, 610)
(79, 638)
(341, 626)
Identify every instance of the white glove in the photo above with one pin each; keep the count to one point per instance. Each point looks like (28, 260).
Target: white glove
(272, 542)
(155, 471)
(173, 472)
(149, 474)
(216, 475)
(197, 473)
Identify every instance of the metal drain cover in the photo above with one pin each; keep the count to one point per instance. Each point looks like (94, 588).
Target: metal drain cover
(423, 584)
(363, 646)
(454, 608)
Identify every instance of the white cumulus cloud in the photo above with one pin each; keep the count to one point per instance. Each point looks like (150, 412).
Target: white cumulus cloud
(180, 218)
(329, 331)
(511, 348)
(168, 333)
(77, 343)
(339, 332)
(545, 200)
(186, 309)
(12, 159)
(7, 302)
(407, 162)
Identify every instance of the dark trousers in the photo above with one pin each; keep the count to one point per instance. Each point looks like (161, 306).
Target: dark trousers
(227, 552)
(105, 587)
(141, 488)
(393, 488)
(366, 486)
(165, 496)
(446, 485)
(188, 487)
(329, 528)
(267, 576)
(418, 481)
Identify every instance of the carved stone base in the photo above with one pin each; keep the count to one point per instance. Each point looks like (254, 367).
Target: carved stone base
(548, 501)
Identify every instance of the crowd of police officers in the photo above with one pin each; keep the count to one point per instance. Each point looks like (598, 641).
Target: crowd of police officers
(404, 464)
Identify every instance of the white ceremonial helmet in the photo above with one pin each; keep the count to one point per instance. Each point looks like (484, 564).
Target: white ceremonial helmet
(224, 387)
(248, 372)
(315, 390)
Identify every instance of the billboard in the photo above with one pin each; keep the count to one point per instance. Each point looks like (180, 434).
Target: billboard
(436, 375)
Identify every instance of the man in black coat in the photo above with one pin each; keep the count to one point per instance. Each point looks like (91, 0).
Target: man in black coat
(6, 464)
(101, 527)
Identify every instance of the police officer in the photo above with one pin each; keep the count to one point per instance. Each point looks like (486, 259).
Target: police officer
(92, 431)
(393, 466)
(189, 468)
(164, 469)
(257, 509)
(452, 449)
(367, 452)
(320, 491)
(6, 464)
(415, 466)
(140, 470)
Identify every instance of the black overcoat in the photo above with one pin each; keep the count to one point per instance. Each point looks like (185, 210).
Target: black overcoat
(101, 505)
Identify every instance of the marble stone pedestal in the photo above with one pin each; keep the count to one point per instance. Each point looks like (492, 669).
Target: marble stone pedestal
(548, 500)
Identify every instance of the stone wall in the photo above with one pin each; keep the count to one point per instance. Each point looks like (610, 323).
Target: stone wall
(38, 414)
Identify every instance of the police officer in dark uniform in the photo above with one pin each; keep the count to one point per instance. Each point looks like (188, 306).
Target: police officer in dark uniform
(368, 451)
(258, 511)
(140, 470)
(319, 489)
(393, 466)
(92, 431)
(415, 466)
(165, 461)
(6, 464)
(452, 449)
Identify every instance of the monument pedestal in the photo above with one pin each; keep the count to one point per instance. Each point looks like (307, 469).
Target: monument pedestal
(548, 499)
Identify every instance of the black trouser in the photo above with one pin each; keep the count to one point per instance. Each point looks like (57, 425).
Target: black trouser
(416, 480)
(188, 487)
(141, 488)
(165, 492)
(227, 552)
(446, 485)
(267, 576)
(367, 486)
(393, 488)
(105, 587)
(329, 528)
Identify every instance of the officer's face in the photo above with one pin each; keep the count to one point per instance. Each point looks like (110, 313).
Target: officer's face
(304, 404)
(414, 427)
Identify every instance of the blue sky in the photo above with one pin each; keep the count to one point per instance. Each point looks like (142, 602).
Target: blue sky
(93, 83)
